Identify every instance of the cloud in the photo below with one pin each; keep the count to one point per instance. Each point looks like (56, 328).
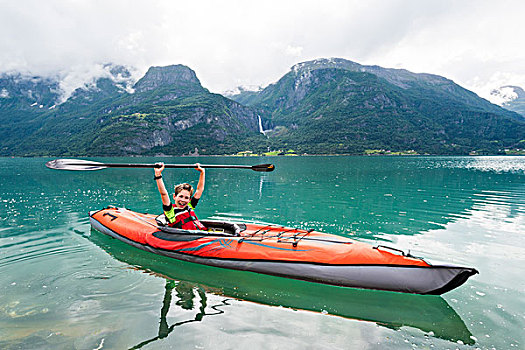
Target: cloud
(294, 50)
(231, 43)
(84, 76)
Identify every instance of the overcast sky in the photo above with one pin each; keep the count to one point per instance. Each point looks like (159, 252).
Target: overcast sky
(478, 44)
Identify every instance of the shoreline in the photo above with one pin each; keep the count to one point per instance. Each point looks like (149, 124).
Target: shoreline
(261, 155)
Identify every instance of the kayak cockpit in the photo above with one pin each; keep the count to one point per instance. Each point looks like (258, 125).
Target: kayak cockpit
(215, 228)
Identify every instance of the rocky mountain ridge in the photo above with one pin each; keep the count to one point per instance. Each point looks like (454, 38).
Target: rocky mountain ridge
(166, 111)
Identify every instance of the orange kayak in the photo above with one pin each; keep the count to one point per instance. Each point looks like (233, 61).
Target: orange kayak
(281, 251)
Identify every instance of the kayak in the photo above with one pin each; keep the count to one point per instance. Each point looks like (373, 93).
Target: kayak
(283, 251)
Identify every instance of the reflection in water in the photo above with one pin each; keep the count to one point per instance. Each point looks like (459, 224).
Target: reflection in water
(430, 314)
(185, 293)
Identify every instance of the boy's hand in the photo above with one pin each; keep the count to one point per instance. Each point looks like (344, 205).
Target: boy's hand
(199, 167)
(158, 168)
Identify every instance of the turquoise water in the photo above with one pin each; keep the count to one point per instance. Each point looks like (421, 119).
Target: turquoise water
(65, 286)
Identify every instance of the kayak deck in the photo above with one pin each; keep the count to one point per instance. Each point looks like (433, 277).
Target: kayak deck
(282, 251)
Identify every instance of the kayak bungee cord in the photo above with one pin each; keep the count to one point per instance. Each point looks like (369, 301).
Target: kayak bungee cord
(296, 241)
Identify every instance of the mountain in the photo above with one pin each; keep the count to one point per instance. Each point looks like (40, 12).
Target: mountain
(22, 101)
(511, 97)
(339, 106)
(166, 111)
(326, 106)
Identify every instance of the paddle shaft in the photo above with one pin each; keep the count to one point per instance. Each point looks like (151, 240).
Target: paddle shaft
(172, 166)
(74, 164)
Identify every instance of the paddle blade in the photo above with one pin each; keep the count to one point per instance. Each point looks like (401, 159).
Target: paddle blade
(74, 164)
(263, 167)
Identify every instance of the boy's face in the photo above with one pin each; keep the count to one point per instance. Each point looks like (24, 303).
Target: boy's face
(182, 199)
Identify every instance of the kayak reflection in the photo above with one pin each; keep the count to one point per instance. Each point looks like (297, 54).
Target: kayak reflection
(185, 294)
(388, 309)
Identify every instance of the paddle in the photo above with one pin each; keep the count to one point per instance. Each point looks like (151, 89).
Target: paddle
(79, 164)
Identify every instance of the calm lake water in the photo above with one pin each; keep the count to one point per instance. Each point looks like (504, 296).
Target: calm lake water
(66, 286)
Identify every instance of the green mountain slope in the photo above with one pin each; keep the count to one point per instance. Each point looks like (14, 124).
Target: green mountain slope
(338, 106)
(168, 112)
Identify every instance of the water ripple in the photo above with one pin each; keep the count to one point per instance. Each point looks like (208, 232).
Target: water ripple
(52, 253)
(497, 164)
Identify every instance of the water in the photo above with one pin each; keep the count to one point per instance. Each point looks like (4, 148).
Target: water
(65, 286)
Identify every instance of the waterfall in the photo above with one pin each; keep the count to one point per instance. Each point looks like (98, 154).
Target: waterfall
(261, 130)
